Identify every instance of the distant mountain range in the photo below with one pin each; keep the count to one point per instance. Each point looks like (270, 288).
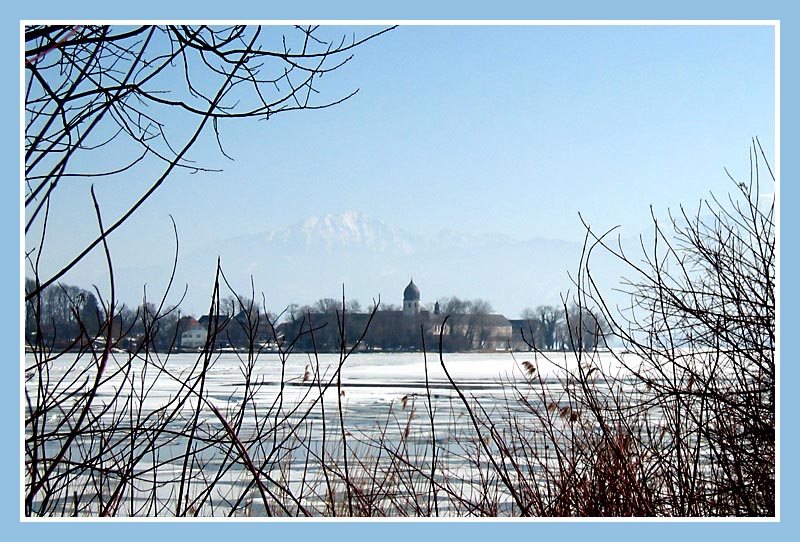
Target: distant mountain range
(314, 257)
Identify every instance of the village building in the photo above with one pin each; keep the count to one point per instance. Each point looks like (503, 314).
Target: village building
(523, 334)
(472, 331)
(479, 331)
(401, 330)
(194, 333)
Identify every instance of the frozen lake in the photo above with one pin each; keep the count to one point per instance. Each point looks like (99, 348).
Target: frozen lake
(369, 380)
(286, 416)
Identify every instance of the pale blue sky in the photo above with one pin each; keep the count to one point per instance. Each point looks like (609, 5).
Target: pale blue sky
(512, 129)
(508, 129)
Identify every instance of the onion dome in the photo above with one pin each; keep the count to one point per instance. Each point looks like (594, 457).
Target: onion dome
(411, 293)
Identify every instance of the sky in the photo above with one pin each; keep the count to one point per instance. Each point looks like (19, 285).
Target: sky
(478, 129)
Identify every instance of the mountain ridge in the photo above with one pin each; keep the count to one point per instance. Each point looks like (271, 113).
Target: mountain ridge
(318, 256)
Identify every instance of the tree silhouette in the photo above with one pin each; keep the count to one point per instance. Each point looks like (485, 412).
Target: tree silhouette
(106, 102)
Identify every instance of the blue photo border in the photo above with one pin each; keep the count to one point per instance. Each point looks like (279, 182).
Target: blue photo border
(385, 531)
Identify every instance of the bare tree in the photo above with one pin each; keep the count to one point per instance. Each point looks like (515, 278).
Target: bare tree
(479, 328)
(582, 328)
(549, 318)
(144, 96)
(701, 325)
(113, 103)
(354, 306)
(327, 305)
(454, 305)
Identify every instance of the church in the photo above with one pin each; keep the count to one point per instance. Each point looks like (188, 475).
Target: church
(464, 331)
(412, 329)
(411, 300)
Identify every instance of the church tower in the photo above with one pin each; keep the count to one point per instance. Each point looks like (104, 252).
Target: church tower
(411, 299)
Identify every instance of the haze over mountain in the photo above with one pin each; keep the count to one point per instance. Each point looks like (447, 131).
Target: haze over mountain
(314, 257)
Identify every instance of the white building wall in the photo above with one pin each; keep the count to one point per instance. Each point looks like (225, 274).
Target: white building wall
(194, 338)
(411, 307)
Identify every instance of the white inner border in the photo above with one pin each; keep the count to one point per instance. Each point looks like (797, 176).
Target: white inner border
(775, 24)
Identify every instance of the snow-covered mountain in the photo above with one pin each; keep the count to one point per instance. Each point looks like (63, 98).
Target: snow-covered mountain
(336, 231)
(317, 256)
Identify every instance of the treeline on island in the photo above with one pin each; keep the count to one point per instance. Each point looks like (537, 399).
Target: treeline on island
(64, 316)
(470, 325)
